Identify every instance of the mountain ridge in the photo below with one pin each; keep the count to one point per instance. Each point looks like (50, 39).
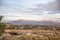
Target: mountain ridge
(34, 22)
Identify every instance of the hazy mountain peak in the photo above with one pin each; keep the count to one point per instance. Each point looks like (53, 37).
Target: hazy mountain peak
(34, 22)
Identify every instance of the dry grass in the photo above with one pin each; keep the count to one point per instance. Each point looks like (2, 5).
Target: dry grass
(30, 36)
(45, 35)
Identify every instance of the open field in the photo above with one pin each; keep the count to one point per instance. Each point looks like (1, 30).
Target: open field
(31, 32)
(31, 35)
(51, 32)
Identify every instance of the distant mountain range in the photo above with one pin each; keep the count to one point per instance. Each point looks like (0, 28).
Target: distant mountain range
(32, 22)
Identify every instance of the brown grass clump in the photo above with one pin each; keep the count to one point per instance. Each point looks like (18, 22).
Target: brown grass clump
(29, 36)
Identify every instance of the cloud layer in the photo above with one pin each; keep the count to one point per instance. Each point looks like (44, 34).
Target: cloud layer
(52, 7)
(29, 9)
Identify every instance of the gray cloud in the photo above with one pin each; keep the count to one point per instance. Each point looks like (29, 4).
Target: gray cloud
(58, 5)
(1, 2)
(53, 7)
(39, 8)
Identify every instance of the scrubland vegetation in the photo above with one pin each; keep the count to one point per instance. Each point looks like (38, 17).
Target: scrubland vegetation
(29, 32)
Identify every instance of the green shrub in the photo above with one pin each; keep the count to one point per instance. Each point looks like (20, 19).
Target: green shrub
(2, 28)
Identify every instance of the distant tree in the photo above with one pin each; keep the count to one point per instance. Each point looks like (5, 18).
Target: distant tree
(1, 17)
(2, 26)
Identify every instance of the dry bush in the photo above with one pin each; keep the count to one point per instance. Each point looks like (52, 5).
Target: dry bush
(33, 37)
(30, 36)
(6, 37)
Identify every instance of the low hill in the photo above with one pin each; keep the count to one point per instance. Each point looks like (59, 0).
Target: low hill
(32, 22)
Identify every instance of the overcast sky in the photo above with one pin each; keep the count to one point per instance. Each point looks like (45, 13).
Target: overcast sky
(29, 10)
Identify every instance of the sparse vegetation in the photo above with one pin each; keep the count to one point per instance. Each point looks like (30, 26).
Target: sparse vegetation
(2, 26)
(29, 32)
